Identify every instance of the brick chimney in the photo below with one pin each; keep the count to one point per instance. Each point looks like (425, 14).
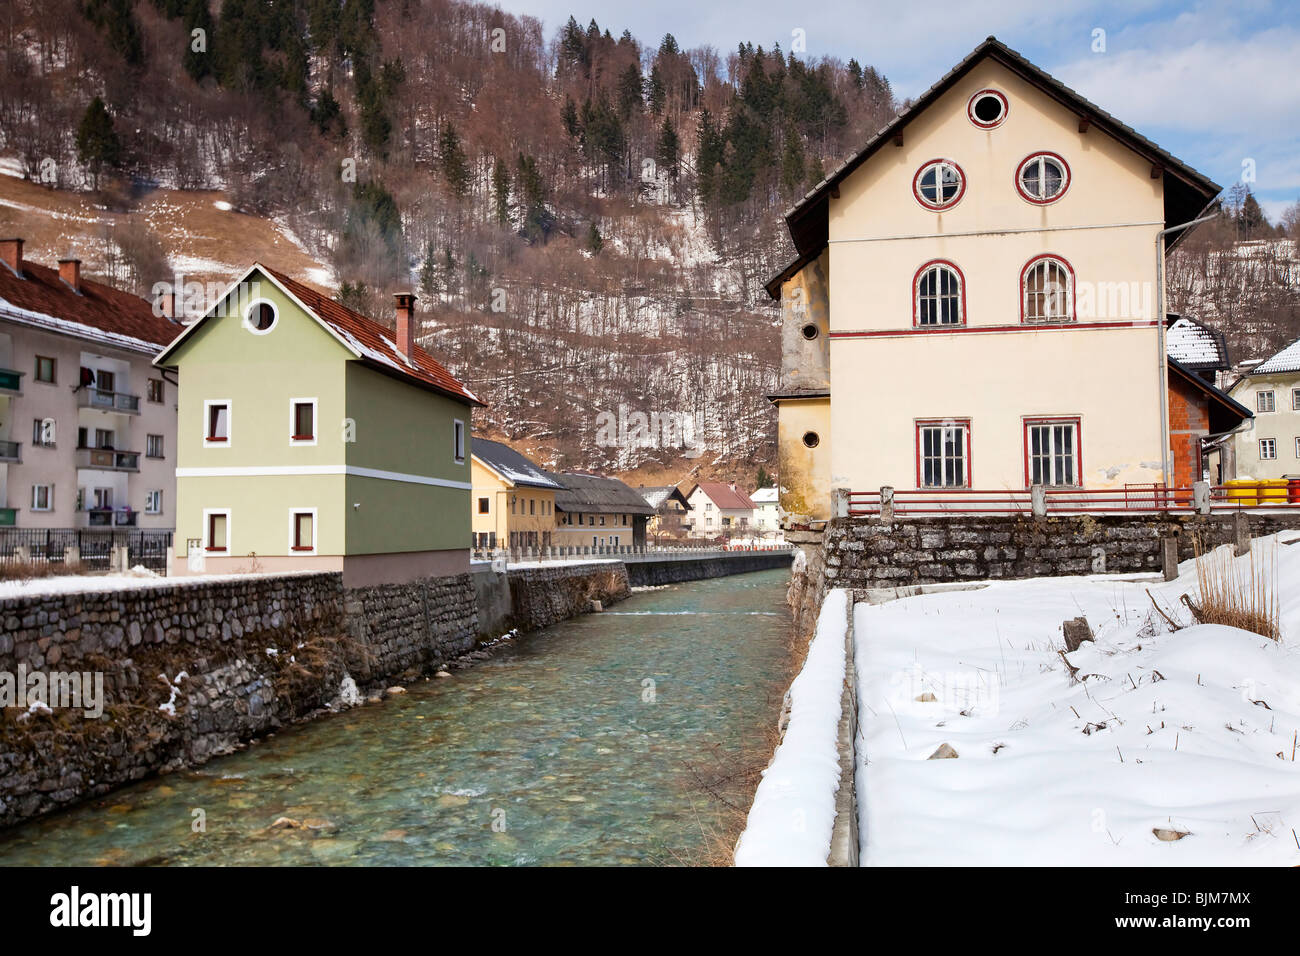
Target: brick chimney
(405, 323)
(70, 272)
(11, 254)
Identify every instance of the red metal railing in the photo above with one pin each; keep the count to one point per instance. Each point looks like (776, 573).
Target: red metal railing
(1144, 498)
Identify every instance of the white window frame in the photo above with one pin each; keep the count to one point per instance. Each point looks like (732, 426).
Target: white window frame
(248, 316)
(965, 445)
(315, 420)
(45, 432)
(1063, 268)
(1076, 427)
(1042, 159)
(938, 166)
(1295, 399)
(315, 530)
(458, 437)
(1272, 445)
(153, 502)
(1297, 447)
(49, 497)
(1271, 394)
(230, 422)
(938, 269)
(162, 445)
(207, 526)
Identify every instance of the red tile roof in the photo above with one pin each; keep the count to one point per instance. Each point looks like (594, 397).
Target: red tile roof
(377, 346)
(101, 307)
(724, 496)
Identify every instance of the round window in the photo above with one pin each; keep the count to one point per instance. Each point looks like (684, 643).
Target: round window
(260, 317)
(1043, 178)
(987, 109)
(811, 439)
(809, 331)
(939, 184)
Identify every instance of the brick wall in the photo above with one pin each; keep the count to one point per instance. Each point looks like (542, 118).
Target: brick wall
(1189, 422)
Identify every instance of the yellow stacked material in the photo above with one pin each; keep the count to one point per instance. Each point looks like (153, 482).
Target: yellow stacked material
(1242, 491)
(1273, 491)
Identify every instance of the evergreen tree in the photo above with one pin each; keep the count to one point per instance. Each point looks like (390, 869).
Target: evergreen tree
(630, 101)
(1250, 220)
(97, 143)
(429, 285)
(454, 164)
(668, 148)
(569, 116)
(709, 158)
(655, 93)
(117, 19)
(792, 164)
(501, 192)
(538, 220)
(595, 242)
(198, 64)
(764, 479)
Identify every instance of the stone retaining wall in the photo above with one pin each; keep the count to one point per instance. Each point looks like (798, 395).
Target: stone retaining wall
(643, 572)
(869, 553)
(193, 668)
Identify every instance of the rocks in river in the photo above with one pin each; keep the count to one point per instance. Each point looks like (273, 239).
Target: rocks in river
(286, 823)
(442, 674)
(374, 699)
(395, 691)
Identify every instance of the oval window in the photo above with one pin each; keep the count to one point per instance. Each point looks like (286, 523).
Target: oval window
(1043, 178)
(811, 439)
(809, 331)
(260, 317)
(939, 184)
(987, 109)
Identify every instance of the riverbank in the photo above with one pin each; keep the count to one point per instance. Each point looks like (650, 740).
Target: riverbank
(591, 737)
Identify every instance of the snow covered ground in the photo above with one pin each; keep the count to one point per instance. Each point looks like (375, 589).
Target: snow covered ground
(793, 816)
(1191, 732)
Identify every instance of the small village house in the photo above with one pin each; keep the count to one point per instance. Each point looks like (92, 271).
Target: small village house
(596, 512)
(767, 518)
(87, 424)
(1271, 390)
(976, 300)
(311, 437)
(720, 509)
(671, 511)
(513, 499)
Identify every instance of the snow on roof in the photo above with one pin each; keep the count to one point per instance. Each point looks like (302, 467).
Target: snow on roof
(1287, 360)
(764, 496)
(511, 465)
(1195, 345)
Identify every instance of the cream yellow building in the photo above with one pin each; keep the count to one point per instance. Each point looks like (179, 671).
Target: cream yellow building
(1270, 448)
(975, 303)
(512, 501)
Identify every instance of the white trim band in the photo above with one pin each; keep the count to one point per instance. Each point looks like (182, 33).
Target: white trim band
(257, 471)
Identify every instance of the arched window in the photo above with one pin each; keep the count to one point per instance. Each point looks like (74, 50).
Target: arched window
(939, 184)
(1043, 178)
(938, 295)
(1047, 291)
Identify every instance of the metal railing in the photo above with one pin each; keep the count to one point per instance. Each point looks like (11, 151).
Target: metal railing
(93, 547)
(616, 552)
(91, 397)
(1039, 500)
(108, 459)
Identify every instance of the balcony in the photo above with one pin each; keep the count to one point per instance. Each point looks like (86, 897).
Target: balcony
(8, 517)
(11, 382)
(108, 518)
(11, 451)
(91, 397)
(107, 459)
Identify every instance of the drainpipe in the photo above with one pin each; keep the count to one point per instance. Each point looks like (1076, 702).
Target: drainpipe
(1161, 365)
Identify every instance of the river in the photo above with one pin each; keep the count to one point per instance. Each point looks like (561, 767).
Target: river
(580, 744)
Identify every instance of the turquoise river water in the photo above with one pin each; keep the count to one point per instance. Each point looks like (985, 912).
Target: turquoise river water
(574, 745)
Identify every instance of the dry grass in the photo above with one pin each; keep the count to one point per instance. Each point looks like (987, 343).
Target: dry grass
(1237, 597)
(28, 570)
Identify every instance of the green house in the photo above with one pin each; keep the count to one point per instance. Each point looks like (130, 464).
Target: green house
(311, 437)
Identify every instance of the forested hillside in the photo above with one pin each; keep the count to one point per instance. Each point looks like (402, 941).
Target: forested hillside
(587, 219)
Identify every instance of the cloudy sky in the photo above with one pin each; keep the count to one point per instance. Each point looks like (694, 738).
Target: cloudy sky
(1215, 83)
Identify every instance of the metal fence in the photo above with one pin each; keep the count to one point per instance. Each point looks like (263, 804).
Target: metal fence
(145, 547)
(1147, 498)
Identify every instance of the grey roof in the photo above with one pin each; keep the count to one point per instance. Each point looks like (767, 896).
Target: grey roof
(1186, 191)
(593, 494)
(1287, 360)
(656, 495)
(511, 465)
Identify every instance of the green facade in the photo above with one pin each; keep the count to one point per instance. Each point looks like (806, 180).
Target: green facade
(365, 420)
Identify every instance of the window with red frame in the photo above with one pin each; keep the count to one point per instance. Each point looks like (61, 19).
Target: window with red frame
(943, 454)
(1052, 452)
(1047, 291)
(940, 298)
